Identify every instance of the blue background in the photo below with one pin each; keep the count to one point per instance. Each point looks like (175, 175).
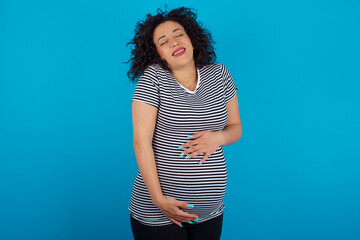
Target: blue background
(66, 159)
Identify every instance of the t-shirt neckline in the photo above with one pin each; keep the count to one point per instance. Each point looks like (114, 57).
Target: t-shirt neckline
(197, 84)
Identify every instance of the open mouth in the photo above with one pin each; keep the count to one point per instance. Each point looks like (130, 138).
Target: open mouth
(179, 52)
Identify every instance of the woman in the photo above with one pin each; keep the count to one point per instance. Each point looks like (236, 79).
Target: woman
(184, 110)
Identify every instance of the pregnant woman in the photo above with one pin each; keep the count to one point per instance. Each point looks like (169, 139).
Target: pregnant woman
(184, 109)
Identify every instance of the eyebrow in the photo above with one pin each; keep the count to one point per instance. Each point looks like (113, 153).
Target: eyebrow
(173, 32)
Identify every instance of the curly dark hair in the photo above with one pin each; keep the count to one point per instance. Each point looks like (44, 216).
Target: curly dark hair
(144, 52)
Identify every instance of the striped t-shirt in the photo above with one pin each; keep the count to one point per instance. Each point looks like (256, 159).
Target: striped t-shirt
(182, 112)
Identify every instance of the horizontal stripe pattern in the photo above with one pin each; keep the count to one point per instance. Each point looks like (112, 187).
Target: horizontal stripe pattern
(182, 112)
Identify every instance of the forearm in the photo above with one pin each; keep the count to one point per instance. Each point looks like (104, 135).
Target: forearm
(230, 134)
(147, 166)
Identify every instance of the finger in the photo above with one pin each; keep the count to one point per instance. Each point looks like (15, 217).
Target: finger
(190, 136)
(191, 143)
(176, 222)
(181, 216)
(186, 205)
(204, 158)
(183, 220)
(176, 203)
(198, 134)
(185, 217)
(192, 149)
(194, 154)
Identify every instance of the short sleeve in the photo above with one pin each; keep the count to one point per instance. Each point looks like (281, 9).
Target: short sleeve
(147, 88)
(230, 88)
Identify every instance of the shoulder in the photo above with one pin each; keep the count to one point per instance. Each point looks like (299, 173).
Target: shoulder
(216, 68)
(150, 74)
(149, 70)
(155, 70)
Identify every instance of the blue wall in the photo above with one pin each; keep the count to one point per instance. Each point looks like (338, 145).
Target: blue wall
(66, 158)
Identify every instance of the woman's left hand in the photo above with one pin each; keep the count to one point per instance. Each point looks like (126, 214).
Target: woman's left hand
(203, 142)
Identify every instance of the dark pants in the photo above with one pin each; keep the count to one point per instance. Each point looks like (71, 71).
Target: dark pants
(209, 230)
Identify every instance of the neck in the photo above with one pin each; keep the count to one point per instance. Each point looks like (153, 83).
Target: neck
(186, 75)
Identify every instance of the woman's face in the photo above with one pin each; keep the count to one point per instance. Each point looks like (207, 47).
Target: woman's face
(173, 45)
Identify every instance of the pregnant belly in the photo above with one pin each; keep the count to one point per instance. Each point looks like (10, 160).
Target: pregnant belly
(201, 185)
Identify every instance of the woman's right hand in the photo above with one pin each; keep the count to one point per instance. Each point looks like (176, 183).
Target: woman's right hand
(171, 208)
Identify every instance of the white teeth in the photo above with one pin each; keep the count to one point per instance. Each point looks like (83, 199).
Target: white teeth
(179, 51)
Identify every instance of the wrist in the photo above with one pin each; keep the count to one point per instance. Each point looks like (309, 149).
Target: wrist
(158, 200)
(221, 138)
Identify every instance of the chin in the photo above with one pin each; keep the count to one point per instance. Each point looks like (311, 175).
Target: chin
(182, 63)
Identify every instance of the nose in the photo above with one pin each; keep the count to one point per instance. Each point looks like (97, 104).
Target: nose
(174, 42)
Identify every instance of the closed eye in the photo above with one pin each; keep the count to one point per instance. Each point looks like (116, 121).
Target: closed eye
(167, 41)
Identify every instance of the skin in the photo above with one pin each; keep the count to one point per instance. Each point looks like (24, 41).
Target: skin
(144, 120)
(168, 37)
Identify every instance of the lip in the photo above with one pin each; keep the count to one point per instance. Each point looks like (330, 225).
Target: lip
(178, 49)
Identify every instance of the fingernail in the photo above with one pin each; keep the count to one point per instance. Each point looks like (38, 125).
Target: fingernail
(187, 156)
(200, 162)
(191, 222)
(180, 225)
(180, 147)
(182, 154)
(195, 220)
(190, 136)
(190, 206)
